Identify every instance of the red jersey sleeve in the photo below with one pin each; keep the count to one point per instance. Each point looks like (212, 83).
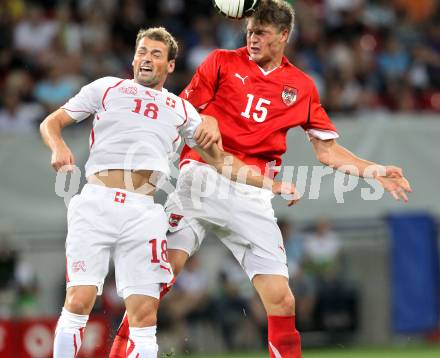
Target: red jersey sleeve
(318, 122)
(201, 90)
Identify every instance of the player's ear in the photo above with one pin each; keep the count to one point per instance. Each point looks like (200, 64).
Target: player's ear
(285, 35)
(171, 66)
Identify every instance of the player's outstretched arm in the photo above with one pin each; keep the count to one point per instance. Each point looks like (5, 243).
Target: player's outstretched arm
(332, 154)
(50, 130)
(236, 170)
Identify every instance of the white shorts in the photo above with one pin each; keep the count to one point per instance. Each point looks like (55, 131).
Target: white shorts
(104, 222)
(240, 215)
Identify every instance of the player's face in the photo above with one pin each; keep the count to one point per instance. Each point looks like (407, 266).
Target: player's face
(265, 43)
(150, 63)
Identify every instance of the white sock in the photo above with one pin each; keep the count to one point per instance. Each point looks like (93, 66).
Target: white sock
(142, 343)
(69, 334)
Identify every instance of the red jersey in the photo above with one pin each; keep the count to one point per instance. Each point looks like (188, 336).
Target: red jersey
(254, 108)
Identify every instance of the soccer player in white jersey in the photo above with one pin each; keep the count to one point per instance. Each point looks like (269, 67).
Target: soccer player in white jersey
(136, 127)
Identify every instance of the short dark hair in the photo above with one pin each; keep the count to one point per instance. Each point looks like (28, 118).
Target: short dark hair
(162, 35)
(278, 13)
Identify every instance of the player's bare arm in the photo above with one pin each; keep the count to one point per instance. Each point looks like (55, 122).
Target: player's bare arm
(332, 154)
(208, 133)
(227, 164)
(50, 128)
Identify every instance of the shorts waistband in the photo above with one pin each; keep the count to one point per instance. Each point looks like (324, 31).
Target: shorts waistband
(116, 194)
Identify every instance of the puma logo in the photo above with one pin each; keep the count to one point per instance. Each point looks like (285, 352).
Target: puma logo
(242, 79)
(151, 95)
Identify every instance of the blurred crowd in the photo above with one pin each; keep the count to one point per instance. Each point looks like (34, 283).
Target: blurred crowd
(366, 56)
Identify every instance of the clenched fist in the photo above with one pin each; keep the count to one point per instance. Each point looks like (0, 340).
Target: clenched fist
(62, 158)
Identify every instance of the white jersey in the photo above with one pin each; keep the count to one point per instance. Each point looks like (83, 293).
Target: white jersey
(134, 127)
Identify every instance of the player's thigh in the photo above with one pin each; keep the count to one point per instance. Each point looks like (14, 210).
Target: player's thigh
(141, 257)
(177, 260)
(187, 237)
(88, 243)
(257, 245)
(185, 230)
(191, 205)
(254, 225)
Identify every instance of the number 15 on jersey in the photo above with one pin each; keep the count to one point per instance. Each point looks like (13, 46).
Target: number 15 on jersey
(259, 112)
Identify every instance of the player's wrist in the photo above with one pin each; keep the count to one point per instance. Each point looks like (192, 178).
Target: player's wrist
(60, 147)
(57, 144)
(379, 171)
(374, 171)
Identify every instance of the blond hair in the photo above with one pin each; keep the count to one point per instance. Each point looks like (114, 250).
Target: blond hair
(278, 13)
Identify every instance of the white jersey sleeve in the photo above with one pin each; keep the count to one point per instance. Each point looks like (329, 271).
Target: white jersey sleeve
(192, 121)
(88, 100)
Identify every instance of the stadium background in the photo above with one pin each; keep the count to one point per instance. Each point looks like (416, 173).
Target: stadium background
(377, 68)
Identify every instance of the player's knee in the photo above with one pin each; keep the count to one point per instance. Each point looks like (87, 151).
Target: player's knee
(143, 318)
(141, 310)
(288, 302)
(79, 302)
(284, 303)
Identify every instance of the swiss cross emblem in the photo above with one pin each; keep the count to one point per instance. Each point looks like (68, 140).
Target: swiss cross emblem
(289, 95)
(174, 220)
(120, 197)
(78, 266)
(171, 102)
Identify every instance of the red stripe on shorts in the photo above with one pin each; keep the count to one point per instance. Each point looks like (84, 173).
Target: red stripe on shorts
(75, 345)
(131, 348)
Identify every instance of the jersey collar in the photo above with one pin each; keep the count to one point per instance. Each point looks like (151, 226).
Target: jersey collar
(163, 90)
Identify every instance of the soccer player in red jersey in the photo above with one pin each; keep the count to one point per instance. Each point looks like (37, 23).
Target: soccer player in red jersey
(257, 95)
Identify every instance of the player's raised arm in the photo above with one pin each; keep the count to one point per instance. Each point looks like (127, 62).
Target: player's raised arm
(323, 134)
(332, 154)
(50, 130)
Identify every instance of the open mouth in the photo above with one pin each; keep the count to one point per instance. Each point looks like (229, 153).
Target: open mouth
(145, 70)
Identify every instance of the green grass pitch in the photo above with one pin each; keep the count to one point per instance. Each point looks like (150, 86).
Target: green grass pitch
(403, 352)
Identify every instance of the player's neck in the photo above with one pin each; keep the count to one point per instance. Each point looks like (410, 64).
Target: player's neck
(158, 87)
(270, 64)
